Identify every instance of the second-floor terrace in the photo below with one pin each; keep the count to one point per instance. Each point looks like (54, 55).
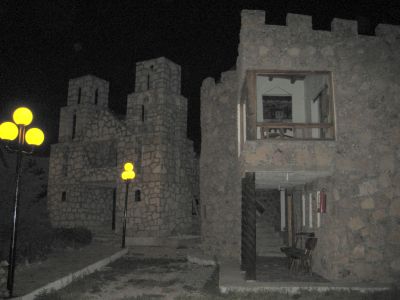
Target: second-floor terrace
(287, 122)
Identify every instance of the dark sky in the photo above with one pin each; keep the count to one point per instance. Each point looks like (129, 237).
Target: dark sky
(44, 43)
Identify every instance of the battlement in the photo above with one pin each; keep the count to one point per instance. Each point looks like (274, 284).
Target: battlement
(300, 23)
(158, 73)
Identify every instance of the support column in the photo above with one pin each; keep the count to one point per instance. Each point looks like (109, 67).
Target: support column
(283, 209)
(290, 219)
(249, 254)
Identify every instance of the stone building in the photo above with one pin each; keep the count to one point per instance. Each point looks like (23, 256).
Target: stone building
(306, 113)
(85, 188)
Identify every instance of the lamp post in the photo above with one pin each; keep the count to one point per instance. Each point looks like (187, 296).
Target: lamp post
(9, 132)
(127, 175)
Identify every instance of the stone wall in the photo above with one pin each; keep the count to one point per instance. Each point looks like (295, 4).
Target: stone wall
(220, 184)
(359, 235)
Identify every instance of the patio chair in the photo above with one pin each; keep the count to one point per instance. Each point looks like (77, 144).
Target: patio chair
(299, 244)
(302, 258)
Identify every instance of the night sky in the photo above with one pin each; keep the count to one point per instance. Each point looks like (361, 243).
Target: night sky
(45, 43)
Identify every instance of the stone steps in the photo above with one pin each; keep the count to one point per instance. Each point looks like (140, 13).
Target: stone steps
(268, 241)
(107, 236)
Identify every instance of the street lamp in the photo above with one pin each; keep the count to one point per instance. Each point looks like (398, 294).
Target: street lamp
(127, 175)
(9, 132)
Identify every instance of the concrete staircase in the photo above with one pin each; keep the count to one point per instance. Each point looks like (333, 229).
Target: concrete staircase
(107, 237)
(269, 241)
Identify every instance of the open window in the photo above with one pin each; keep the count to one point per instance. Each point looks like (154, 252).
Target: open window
(289, 105)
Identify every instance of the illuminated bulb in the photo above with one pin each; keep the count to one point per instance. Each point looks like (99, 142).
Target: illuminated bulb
(128, 166)
(8, 131)
(22, 116)
(34, 136)
(128, 175)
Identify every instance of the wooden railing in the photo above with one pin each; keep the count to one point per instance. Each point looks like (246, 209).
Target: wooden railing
(266, 130)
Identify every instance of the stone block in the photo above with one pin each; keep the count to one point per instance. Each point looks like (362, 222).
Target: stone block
(395, 265)
(390, 33)
(299, 22)
(394, 209)
(374, 256)
(394, 237)
(344, 27)
(368, 187)
(379, 214)
(368, 203)
(358, 251)
(355, 223)
(252, 17)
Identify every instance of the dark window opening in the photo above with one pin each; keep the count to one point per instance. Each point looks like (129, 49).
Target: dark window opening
(73, 126)
(96, 96)
(277, 108)
(195, 207)
(114, 208)
(79, 95)
(137, 196)
(143, 116)
(64, 196)
(148, 81)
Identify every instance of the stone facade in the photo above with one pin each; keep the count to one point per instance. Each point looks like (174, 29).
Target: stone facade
(94, 144)
(220, 190)
(359, 235)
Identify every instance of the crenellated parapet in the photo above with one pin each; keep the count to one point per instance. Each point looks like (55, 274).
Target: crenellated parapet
(301, 23)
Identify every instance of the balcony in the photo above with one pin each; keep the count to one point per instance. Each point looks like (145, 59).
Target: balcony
(286, 126)
(287, 105)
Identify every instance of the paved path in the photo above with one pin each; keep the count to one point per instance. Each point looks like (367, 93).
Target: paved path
(59, 264)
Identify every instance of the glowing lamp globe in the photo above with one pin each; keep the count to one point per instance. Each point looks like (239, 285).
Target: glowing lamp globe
(34, 136)
(8, 131)
(128, 166)
(22, 116)
(128, 175)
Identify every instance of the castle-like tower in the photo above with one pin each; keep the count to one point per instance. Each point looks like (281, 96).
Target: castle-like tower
(84, 184)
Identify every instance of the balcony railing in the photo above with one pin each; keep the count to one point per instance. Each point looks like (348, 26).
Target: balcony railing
(268, 130)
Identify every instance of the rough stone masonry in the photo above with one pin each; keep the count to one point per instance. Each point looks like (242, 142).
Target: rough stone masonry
(359, 237)
(85, 188)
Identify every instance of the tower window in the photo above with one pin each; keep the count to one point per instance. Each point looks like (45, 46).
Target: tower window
(148, 81)
(73, 126)
(79, 95)
(63, 196)
(96, 96)
(137, 196)
(143, 116)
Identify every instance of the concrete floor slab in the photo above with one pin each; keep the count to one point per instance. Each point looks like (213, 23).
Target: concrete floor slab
(231, 279)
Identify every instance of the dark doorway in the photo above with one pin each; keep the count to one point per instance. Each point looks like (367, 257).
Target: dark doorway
(249, 253)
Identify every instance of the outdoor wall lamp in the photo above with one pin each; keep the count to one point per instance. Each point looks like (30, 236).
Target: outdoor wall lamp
(127, 176)
(9, 132)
